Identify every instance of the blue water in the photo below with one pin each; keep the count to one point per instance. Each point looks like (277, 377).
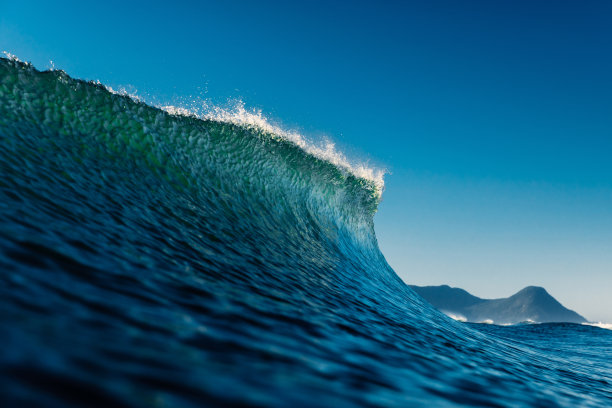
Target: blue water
(151, 259)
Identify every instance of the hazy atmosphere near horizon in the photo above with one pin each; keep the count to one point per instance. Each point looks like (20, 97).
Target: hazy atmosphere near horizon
(492, 119)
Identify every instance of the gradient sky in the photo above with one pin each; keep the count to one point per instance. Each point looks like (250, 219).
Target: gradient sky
(494, 118)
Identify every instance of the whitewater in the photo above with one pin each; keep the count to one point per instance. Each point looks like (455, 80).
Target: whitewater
(156, 257)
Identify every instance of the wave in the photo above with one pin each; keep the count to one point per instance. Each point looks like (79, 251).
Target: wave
(254, 119)
(161, 256)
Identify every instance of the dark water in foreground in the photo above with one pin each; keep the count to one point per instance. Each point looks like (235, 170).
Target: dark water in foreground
(156, 260)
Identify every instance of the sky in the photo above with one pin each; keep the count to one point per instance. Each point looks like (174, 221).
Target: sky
(493, 119)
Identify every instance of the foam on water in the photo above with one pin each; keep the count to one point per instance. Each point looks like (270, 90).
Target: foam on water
(239, 115)
(457, 317)
(600, 324)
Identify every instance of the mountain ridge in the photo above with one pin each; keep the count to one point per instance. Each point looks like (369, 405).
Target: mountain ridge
(530, 304)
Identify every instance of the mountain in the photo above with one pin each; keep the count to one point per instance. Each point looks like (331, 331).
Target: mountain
(530, 304)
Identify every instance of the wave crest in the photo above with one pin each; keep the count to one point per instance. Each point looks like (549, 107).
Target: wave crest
(326, 150)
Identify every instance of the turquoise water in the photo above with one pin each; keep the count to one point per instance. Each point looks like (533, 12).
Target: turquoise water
(152, 259)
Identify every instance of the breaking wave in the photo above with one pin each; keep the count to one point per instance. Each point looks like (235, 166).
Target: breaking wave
(156, 257)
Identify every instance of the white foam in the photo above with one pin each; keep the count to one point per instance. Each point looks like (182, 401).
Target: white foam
(122, 91)
(325, 149)
(599, 324)
(457, 317)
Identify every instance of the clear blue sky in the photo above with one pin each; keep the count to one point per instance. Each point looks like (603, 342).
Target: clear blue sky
(494, 118)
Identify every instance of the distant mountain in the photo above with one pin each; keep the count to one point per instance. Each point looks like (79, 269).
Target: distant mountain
(530, 304)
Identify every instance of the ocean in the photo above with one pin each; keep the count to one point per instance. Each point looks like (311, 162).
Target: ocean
(150, 257)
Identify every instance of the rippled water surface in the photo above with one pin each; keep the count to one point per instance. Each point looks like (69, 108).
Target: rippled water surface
(151, 259)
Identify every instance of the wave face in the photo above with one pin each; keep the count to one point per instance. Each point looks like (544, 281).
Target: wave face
(153, 259)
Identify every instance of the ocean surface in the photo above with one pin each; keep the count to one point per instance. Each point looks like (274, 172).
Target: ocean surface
(153, 258)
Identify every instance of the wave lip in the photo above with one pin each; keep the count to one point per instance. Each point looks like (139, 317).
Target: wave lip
(254, 119)
(185, 144)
